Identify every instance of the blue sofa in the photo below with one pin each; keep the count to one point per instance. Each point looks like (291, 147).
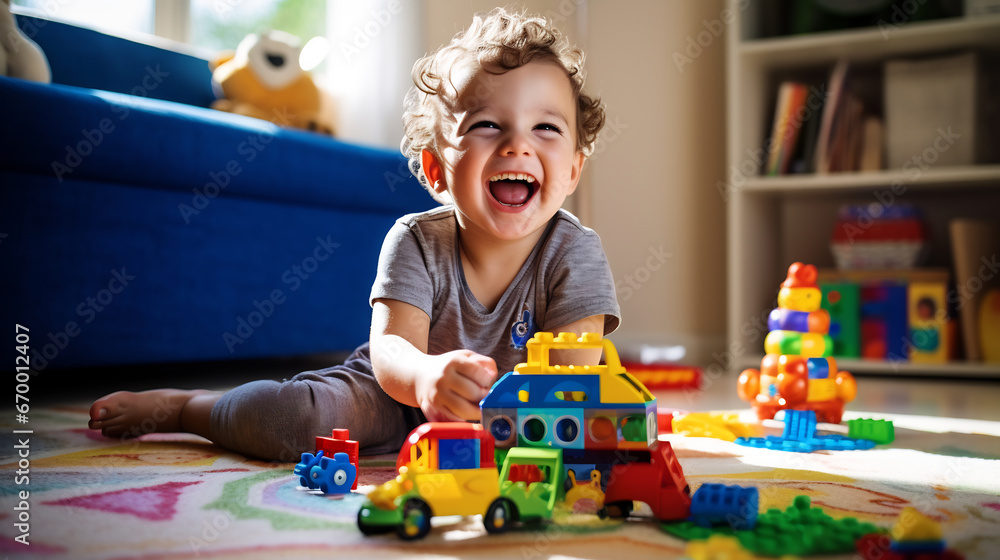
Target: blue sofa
(139, 226)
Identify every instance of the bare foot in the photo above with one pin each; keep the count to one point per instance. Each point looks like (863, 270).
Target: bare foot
(128, 414)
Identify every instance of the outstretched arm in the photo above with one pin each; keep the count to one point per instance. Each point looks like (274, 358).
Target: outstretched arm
(445, 387)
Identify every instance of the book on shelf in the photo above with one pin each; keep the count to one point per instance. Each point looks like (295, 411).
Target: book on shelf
(833, 110)
(789, 114)
(871, 144)
(975, 248)
(824, 128)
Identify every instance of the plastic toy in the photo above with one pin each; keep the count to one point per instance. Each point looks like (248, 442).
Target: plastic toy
(797, 372)
(884, 327)
(340, 442)
(447, 468)
(800, 436)
(914, 537)
(304, 468)
(586, 496)
(842, 301)
(535, 500)
(665, 376)
(989, 326)
(799, 530)
(879, 431)
(601, 417)
(334, 476)
(720, 425)
(468, 486)
(20, 57)
(896, 238)
(717, 504)
(570, 407)
(660, 484)
(267, 78)
(718, 547)
(928, 322)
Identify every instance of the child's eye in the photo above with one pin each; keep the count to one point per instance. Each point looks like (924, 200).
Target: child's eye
(548, 126)
(484, 124)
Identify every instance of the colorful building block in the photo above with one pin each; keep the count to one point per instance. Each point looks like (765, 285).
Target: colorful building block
(800, 436)
(717, 504)
(340, 442)
(720, 425)
(665, 376)
(884, 325)
(928, 322)
(797, 373)
(879, 431)
(800, 530)
(842, 300)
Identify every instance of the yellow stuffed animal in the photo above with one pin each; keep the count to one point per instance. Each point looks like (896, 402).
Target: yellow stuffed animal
(265, 79)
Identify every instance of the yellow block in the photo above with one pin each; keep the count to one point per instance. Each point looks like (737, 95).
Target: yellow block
(915, 526)
(821, 390)
(718, 425)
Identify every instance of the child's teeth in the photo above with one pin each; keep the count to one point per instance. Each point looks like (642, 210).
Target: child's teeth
(513, 177)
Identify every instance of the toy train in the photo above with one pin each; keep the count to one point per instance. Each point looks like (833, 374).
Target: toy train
(601, 417)
(543, 428)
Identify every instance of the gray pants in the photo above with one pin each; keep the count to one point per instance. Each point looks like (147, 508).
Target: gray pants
(279, 421)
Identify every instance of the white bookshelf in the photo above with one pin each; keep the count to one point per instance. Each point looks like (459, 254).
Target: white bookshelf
(774, 221)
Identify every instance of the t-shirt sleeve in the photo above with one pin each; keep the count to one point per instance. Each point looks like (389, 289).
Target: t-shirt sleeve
(580, 285)
(402, 273)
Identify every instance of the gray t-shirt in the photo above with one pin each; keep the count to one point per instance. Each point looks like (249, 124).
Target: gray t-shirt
(566, 278)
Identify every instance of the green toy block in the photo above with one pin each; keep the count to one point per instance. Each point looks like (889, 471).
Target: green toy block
(799, 530)
(843, 302)
(879, 431)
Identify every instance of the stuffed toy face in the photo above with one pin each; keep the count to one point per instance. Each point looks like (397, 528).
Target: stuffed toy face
(274, 58)
(266, 78)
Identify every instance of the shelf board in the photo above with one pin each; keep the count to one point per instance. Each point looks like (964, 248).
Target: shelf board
(977, 176)
(875, 43)
(877, 367)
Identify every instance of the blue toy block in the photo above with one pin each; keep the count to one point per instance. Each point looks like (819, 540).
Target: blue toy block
(800, 425)
(458, 454)
(917, 547)
(800, 436)
(336, 475)
(819, 368)
(831, 443)
(887, 304)
(305, 466)
(716, 504)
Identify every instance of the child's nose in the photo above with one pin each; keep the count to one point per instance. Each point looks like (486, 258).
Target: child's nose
(515, 144)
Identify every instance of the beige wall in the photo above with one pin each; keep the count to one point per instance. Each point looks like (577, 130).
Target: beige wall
(650, 189)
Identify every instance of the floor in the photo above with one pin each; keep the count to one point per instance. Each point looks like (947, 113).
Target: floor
(917, 396)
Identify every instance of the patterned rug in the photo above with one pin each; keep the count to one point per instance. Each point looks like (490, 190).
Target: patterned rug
(79, 495)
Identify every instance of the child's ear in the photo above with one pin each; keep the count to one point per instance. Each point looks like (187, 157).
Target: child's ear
(577, 168)
(432, 170)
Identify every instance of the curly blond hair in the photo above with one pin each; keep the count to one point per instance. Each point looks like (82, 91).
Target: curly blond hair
(496, 42)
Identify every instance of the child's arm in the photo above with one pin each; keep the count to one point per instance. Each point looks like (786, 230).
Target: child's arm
(445, 387)
(586, 357)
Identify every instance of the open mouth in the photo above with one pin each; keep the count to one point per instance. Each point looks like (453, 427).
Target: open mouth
(513, 189)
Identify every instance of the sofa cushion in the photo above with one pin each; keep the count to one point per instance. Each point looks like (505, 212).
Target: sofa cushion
(91, 59)
(68, 132)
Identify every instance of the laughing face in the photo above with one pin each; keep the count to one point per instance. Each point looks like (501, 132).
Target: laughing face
(508, 156)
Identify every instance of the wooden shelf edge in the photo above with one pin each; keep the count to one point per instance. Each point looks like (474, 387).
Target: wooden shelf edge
(958, 176)
(877, 42)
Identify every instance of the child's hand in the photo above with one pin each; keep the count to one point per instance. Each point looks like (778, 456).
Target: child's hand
(451, 391)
